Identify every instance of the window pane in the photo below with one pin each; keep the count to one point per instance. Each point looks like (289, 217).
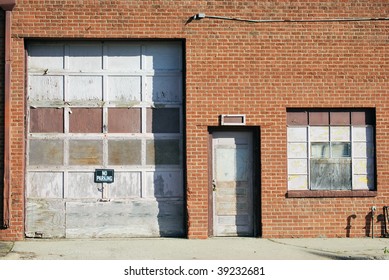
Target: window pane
(330, 174)
(46, 152)
(297, 182)
(124, 152)
(297, 150)
(123, 120)
(163, 152)
(339, 118)
(363, 150)
(297, 166)
(340, 133)
(319, 133)
(297, 134)
(85, 152)
(46, 120)
(84, 88)
(319, 118)
(166, 120)
(340, 150)
(363, 134)
(86, 120)
(320, 150)
(297, 118)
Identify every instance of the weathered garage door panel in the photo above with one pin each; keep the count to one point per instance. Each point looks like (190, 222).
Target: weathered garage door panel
(114, 105)
(46, 218)
(45, 185)
(121, 219)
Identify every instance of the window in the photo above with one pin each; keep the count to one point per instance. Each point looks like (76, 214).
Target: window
(331, 149)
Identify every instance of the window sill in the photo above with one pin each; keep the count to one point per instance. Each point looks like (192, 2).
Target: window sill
(319, 194)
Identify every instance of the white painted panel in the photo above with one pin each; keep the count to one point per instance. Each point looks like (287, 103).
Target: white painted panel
(319, 133)
(297, 166)
(45, 88)
(84, 88)
(42, 57)
(363, 149)
(363, 166)
(164, 184)
(227, 141)
(126, 185)
(164, 89)
(122, 88)
(82, 185)
(124, 57)
(232, 163)
(297, 182)
(363, 134)
(45, 184)
(297, 134)
(45, 218)
(138, 218)
(85, 57)
(340, 133)
(165, 56)
(233, 221)
(363, 182)
(297, 150)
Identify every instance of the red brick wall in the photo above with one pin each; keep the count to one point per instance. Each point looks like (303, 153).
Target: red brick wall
(257, 69)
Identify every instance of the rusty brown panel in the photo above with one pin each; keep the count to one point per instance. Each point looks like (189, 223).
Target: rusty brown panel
(163, 120)
(123, 120)
(159, 152)
(86, 120)
(297, 118)
(362, 118)
(85, 152)
(124, 152)
(339, 118)
(46, 120)
(46, 152)
(319, 118)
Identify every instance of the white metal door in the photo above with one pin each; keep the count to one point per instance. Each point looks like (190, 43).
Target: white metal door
(232, 184)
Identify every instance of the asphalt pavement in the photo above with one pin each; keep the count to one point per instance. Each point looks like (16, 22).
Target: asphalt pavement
(195, 249)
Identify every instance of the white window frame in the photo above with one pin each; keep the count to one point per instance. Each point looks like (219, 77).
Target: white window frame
(354, 157)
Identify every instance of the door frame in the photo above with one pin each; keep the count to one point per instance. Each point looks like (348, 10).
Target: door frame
(256, 173)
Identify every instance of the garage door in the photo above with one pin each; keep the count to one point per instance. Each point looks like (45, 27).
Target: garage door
(105, 105)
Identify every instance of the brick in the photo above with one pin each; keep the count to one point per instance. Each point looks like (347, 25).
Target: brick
(234, 68)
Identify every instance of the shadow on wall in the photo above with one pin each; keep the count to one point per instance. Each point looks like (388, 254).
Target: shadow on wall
(349, 226)
(377, 231)
(371, 229)
(165, 150)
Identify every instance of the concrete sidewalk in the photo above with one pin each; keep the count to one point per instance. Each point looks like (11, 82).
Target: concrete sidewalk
(185, 249)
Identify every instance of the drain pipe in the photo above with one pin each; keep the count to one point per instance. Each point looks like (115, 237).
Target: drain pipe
(7, 6)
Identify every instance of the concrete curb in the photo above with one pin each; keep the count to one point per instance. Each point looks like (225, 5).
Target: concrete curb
(5, 248)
